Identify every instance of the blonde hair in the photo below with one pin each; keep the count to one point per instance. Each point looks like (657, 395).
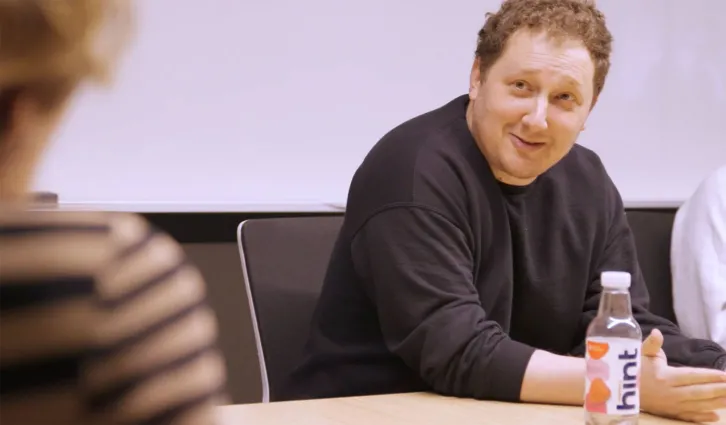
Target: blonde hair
(51, 45)
(47, 48)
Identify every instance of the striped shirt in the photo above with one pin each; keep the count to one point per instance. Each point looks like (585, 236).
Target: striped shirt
(102, 321)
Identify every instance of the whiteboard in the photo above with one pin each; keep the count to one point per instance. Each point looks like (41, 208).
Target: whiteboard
(234, 101)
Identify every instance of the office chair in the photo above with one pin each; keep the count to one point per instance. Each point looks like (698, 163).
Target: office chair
(284, 261)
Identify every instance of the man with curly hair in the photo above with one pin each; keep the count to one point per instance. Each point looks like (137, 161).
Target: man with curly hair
(469, 260)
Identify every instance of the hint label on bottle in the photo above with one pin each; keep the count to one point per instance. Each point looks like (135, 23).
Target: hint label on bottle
(612, 379)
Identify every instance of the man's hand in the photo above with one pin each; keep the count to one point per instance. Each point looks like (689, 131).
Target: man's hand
(685, 393)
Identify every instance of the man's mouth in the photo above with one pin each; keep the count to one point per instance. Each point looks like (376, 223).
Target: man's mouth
(525, 144)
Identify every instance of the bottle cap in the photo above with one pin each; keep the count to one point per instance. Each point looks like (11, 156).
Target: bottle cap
(615, 280)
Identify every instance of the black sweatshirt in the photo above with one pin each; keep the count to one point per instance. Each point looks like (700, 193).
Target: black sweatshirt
(445, 280)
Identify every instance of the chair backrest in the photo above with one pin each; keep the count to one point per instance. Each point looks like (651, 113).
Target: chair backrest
(652, 231)
(284, 261)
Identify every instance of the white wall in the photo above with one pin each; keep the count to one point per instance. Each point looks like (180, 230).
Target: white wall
(228, 101)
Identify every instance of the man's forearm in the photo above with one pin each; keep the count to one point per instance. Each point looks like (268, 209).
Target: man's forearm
(554, 379)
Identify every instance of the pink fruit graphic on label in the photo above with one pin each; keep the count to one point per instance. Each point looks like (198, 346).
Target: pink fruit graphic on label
(597, 369)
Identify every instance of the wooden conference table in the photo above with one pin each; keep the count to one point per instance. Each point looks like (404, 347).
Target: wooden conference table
(409, 409)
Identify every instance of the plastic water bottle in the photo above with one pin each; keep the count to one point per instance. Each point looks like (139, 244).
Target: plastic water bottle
(614, 340)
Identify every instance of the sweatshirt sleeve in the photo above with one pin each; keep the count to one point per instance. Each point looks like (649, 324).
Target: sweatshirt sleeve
(620, 254)
(698, 261)
(417, 267)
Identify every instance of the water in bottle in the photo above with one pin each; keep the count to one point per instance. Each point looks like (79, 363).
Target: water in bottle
(613, 340)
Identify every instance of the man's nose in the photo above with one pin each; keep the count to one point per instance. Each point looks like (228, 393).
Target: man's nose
(536, 118)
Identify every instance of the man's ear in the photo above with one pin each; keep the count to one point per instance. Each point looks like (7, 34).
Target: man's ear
(475, 79)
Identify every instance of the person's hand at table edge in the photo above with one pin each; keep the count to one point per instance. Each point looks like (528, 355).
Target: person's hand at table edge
(685, 393)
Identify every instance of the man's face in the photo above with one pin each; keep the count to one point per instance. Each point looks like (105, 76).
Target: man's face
(528, 111)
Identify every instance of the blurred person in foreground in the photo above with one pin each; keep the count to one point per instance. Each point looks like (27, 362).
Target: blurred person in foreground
(698, 260)
(475, 234)
(102, 320)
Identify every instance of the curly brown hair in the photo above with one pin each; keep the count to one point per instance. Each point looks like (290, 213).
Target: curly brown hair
(578, 19)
